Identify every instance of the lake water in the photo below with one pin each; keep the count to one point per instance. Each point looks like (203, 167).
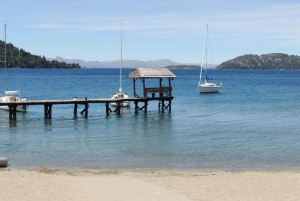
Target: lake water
(252, 123)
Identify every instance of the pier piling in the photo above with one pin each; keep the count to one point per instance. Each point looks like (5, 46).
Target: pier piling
(75, 109)
(47, 110)
(12, 112)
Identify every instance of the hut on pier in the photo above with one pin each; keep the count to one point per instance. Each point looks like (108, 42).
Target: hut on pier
(155, 84)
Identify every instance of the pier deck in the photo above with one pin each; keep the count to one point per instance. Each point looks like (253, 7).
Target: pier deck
(48, 104)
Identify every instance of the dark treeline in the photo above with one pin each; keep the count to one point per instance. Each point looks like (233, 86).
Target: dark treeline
(16, 57)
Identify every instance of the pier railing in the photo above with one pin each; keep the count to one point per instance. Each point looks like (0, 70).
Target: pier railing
(162, 91)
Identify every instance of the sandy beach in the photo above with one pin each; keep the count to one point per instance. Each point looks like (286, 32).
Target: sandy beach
(99, 184)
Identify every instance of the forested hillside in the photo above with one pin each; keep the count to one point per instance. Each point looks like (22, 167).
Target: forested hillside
(16, 57)
(273, 61)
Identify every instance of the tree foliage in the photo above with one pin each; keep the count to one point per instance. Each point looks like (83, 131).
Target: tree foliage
(273, 61)
(16, 57)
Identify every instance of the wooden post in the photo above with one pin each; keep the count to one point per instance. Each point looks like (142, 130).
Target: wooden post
(136, 107)
(146, 105)
(170, 86)
(144, 86)
(50, 111)
(75, 109)
(12, 112)
(134, 92)
(86, 108)
(118, 109)
(160, 85)
(107, 108)
(15, 112)
(47, 110)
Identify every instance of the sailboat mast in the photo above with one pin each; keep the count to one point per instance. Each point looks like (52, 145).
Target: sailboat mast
(204, 54)
(4, 57)
(206, 47)
(121, 59)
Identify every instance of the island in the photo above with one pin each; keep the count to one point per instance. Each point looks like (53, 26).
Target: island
(272, 61)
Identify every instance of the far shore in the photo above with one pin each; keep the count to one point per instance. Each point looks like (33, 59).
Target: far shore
(67, 183)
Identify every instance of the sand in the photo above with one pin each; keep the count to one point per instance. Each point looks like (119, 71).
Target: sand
(160, 185)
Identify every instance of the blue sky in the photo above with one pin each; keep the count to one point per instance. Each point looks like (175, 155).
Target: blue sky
(153, 29)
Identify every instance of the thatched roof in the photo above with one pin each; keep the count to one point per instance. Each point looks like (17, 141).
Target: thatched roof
(151, 73)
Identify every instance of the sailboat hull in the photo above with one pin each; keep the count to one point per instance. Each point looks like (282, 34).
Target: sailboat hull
(9, 99)
(209, 88)
(20, 108)
(119, 96)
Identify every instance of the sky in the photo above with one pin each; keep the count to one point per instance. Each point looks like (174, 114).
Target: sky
(152, 29)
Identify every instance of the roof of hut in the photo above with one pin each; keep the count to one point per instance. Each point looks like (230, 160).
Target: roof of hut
(151, 73)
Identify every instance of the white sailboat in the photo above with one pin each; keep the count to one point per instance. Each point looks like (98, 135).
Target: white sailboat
(11, 96)
(120, 94)
(209, 85)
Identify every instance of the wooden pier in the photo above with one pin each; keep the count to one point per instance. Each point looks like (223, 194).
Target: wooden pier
(86, 102)
(160, 93)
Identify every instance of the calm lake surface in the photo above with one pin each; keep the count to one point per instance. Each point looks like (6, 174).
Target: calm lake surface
(252, 123)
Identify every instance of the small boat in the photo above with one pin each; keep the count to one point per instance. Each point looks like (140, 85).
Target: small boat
(209, 85)
(11, 96)
(3, 161)
(120, 94)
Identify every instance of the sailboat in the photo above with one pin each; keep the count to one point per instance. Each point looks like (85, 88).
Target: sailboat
(209, 85)
(120, 94)
(11, 96)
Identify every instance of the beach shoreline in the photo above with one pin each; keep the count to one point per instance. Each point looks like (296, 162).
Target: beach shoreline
(150, 169)
(71, 183)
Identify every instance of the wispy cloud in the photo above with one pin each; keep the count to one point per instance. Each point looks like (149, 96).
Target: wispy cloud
(250, 23)
(276, 20)
(52, 26)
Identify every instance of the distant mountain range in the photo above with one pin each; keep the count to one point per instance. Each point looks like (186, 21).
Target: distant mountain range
(125, 63)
